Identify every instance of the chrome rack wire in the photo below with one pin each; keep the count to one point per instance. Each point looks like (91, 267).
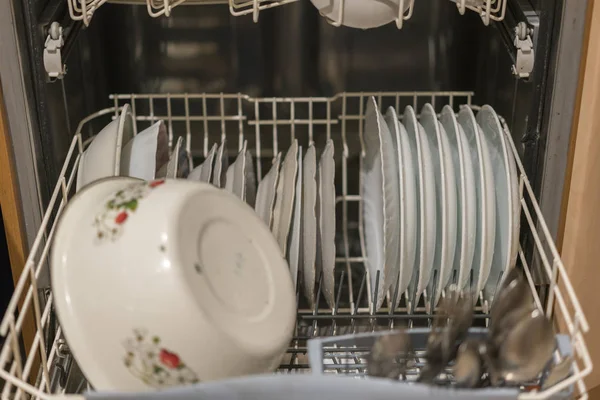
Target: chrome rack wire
(488, 10)
(33, 354)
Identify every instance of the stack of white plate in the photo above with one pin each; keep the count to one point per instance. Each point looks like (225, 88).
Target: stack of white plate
(440, 204)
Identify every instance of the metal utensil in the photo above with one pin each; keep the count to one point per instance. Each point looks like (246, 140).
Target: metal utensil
(527, 348)
(514, 295)
(558, 373)
(389, 355)
(456, 313)
(468, 368)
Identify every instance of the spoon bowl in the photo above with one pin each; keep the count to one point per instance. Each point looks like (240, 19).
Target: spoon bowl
(527, 349)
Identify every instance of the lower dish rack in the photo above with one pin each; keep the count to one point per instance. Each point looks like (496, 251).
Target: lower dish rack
(35, 360)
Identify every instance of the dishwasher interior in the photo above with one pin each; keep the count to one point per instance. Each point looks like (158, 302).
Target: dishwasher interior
(271, 75)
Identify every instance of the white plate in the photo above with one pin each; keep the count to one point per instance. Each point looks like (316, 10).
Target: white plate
(379, 192)
(284, 202)
(173, 164)
(507, 200)
(327, 221)
(296, 237)
(203, 172)
(249, 181)
(102, 158)
(445, 182)
(425, 180)
(360, 14)
(467, 197)
(407, 222)
(221, 164)
(486, 207)
(236, 176)
(265, 195)
(309, 223)
(143, 154)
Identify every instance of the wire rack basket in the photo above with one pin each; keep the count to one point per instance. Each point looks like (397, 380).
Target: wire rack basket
(83, 10)
(35, 359)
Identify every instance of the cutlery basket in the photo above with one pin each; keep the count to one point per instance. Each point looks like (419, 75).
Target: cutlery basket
(346, 355)
(35, 361)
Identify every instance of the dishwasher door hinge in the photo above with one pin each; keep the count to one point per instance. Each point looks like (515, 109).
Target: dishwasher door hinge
(53, 62)
(524, 60)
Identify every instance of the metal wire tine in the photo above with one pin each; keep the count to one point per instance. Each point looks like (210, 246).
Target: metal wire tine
(373, 307)
(222, 108)
(317, 300)
(169, 121)
(310, 125)
(354, 311)
(257, 137)
(274, 115)
(392, 303)
(336, 305)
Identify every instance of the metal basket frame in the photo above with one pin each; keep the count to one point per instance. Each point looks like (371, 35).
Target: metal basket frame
(83, 10)
(269, 124)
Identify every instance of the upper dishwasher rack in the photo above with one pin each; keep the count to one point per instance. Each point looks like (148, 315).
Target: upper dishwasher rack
(35, 361)
(489, 10)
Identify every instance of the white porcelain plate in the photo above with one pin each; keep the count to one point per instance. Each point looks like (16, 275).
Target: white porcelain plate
(381, 203)
(467, 199)
(327, 221)
(486, 203)
(221, 164)
(445, 202)
(407, 222)
(284, 201)
(507, 199)
(295, 244)
(426, 211)
(309, 223)
(203, 172)
(265, 195)
(102, 158)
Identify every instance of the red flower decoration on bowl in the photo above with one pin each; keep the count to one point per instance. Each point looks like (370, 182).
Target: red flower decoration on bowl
(121, 217)
(169, 359)
(154, 184)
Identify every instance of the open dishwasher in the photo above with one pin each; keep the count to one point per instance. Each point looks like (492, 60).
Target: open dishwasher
(267, 73)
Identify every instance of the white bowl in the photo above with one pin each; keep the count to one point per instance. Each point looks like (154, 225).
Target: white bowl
(102, 158)
(143, 155)
(362, 14)
(169, 282)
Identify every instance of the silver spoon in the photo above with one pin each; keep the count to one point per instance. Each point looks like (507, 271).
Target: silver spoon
(527, 349)
(389, 355)
(468, 368)
(513, 294)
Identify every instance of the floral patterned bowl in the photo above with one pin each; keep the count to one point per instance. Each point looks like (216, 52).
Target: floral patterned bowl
(167, 283)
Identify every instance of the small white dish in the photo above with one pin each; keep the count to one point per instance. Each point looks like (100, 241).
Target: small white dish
(381, 203)
(467, 197)
(327, 221)
(236, 177)
(309, 224)
(508, 204)
(172, 166)
(102, 158)
(486, 203)
(362, 14)
(407, 223)
(445, 182)
(149, 248)
(295, 245)
(265, 195)
(427, 217)
(203, 172)
(221, 164)
(145, 153)
(284, 201)
(249, 180)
